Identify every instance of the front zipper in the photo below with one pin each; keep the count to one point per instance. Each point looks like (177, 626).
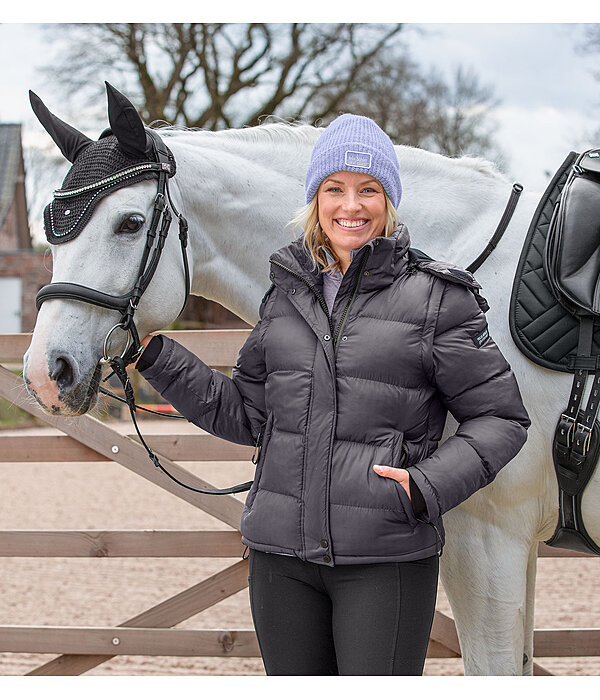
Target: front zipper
(258, 445)
(323, 304)
(312, 288)
(350, 301)
(335, 335)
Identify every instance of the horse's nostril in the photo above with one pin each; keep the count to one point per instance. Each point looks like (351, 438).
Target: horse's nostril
(62, 373)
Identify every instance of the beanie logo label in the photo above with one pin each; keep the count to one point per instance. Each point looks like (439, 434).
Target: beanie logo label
(358, 159)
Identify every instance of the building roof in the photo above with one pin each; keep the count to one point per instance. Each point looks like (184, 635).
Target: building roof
(10, 156)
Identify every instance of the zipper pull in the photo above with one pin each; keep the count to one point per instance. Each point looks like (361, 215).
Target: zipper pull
(258, 445)
(438, 537)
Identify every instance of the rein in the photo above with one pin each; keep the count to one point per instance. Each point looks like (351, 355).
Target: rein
(501, 228)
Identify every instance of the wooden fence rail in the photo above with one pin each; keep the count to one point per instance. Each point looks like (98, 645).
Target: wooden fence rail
(87, 439)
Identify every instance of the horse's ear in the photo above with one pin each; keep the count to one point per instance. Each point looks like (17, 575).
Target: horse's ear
(126, 124)
(70, 141)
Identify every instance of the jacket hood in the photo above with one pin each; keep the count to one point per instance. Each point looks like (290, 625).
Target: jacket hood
(388, 257)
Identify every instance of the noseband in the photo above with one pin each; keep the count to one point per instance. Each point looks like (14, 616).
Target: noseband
(126, 304)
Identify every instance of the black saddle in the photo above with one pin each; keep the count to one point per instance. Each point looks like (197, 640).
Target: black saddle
(555, 321)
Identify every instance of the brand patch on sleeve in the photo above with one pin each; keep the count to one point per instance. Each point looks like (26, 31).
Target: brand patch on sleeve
(480, 337)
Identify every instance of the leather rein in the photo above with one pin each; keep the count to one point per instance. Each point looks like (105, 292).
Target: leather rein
(126, 304)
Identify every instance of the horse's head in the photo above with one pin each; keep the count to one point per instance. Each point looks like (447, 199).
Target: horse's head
(97, 225)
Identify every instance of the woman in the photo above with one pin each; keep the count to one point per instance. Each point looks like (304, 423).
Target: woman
(344, 386)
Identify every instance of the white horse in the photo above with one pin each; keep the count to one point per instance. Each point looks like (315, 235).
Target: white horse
(238, 189)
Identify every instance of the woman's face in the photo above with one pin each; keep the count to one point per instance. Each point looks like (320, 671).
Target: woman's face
(352, 210)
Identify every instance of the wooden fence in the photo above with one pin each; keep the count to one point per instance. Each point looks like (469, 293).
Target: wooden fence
(88, 439)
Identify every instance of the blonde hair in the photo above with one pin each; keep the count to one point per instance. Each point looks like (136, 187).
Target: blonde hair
(307, 219)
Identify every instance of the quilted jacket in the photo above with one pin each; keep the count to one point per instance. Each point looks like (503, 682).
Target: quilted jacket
(325, 397)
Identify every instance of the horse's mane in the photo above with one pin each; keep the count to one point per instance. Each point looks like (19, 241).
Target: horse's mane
(278, 130)
(272, 131)
(421, 157)
(481, 165)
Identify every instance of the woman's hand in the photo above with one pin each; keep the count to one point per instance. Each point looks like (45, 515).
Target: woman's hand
(399, 475)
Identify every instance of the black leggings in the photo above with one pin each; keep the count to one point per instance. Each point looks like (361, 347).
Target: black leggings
(355, 619)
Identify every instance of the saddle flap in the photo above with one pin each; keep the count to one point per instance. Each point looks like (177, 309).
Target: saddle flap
(572, 252)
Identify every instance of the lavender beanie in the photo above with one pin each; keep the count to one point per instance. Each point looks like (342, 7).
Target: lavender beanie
(356, 144)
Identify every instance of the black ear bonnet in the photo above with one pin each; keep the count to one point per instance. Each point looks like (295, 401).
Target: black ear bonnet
(101, 168)
(123, 155)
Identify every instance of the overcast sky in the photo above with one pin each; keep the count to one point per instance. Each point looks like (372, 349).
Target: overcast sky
(547, 91)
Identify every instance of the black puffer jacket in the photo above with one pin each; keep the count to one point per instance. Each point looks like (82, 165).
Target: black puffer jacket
(331, 397)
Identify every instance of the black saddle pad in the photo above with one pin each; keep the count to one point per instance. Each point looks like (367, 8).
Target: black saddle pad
(542, 329)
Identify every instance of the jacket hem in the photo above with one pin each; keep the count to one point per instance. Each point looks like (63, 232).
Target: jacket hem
(268, 548)
(341, 560)
(376, 559)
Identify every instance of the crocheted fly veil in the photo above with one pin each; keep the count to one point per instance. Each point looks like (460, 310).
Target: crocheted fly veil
(121, 157)
(101, 168)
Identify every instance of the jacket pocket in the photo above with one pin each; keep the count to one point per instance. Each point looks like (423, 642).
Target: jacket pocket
(258, 458)
(399, 461)
(399, 451)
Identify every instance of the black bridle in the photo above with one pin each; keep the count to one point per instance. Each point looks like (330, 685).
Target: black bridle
(126, 304)
(158, 230)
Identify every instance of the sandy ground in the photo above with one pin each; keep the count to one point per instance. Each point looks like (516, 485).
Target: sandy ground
(107, 591)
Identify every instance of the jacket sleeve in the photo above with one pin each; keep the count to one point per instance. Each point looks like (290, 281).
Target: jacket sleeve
(233, 409)
(478, 387)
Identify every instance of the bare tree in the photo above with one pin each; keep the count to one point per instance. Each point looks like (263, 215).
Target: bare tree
(423, 110)
(459, 114)
(220, 75)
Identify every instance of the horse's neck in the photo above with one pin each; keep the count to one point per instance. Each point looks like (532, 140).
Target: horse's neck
(240, 192)
(451, 206)
(238, 197)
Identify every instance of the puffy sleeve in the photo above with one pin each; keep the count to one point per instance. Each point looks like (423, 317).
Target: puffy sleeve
(230, 408)
(477, 385)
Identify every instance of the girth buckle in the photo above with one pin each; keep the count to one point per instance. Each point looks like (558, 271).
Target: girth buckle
(567, 431)
(586, 444)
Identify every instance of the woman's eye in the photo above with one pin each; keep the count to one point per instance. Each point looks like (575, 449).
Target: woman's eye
(131, 224)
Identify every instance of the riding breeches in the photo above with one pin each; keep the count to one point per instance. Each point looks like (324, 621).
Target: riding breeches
(355, 619)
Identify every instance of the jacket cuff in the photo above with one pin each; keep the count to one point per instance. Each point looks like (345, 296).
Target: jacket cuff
(151, 352)
(426, 491)
(416, 497)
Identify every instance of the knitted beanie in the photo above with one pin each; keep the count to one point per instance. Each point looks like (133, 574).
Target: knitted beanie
(356, 144)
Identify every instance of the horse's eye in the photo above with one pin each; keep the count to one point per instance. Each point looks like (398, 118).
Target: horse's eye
(131, 224)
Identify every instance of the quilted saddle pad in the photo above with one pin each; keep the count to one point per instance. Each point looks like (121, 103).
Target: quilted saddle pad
(542, 329)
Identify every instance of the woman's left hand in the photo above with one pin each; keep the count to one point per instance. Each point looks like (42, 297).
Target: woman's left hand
(399, 475)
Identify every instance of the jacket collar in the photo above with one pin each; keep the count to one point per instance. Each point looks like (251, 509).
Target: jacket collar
(388, 258)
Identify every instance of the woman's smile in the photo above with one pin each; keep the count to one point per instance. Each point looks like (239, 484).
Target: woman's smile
(351, 223)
